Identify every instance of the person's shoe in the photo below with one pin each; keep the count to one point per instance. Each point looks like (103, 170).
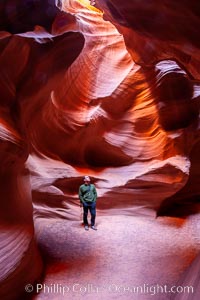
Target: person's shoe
(86, 227)
(93, 227)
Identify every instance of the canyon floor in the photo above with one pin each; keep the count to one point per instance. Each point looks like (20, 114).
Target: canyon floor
(132, 255)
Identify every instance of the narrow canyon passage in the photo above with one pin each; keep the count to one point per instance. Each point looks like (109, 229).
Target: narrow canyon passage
(108, 89)
(127, 251)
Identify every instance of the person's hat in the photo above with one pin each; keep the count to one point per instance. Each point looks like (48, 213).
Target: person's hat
(86, 178)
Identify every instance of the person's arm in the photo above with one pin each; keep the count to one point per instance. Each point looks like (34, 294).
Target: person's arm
(95, 193)
(81, 196)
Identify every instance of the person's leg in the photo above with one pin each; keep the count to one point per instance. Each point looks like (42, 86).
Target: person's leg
(85, 214)
(93, 213)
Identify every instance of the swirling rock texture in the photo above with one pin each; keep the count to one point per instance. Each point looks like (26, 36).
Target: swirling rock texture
(111, 91)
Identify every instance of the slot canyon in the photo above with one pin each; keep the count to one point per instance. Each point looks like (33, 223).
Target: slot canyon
(108, 89)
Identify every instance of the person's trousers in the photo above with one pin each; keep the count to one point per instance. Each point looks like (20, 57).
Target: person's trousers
(91, 206)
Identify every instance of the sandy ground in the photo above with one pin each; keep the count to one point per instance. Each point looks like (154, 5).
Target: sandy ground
(128, 257)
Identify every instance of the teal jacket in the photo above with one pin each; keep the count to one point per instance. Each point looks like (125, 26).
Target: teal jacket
(87, 193)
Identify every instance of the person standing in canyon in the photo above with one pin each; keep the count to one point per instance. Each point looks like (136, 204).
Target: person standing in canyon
(88, 197)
